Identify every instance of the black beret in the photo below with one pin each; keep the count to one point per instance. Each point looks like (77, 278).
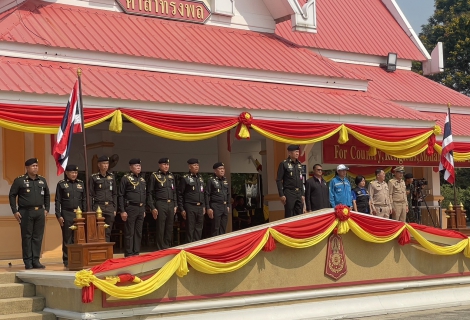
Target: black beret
(134, 161)
(30, 162)
(408, 176)
(164, 160)
(103, 159)
(71, 167)
(193, 161)
(293, 147)
(218, 164)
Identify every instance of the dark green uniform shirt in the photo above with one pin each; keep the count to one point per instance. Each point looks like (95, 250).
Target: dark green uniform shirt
(217, 191)
(289, 176)
(191, 190)
(132, 191)
(161, 186)
(103, 189)
(69, 195)
(30, 193)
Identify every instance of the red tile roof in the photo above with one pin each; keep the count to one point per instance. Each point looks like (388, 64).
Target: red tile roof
(459, 122)
(360, 26)
(42, 77)
(403, 85)
(65, 26)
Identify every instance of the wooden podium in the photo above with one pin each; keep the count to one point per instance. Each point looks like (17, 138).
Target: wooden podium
(457, 219)
(90, 247)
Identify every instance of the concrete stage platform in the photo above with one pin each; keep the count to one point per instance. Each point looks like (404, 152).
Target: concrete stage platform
(285, 283)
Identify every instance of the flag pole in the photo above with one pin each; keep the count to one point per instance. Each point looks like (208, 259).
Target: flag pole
(79, 74)
(455, 179)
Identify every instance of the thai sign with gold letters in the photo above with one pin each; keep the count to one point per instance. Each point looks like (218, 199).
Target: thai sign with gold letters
(183, 10)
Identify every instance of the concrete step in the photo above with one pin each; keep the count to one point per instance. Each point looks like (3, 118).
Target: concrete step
(17, 290)
(40, 315)
(21, 305)
(8, 277)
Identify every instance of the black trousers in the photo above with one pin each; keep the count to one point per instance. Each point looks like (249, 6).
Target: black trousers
(294, 205)
(32, 232)
(194, 222)
(165, 220)
(67, 233)
(108, 214)
(219, 222)
(133, 230)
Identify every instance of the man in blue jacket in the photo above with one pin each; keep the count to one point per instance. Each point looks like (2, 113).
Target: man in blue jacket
(340, 188)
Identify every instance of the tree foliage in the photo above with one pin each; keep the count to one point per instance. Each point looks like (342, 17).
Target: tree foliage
(450, 24)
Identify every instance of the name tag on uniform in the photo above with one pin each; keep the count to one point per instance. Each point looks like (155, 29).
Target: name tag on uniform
(41, 182)
(202, 189)
(79, 186)
(42, 192)
(111, 188)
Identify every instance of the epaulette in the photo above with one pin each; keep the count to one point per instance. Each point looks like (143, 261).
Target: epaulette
(20, 176)
(186, 175)
(94, 174)
(78, 180)
(61, 181)
(285, 160)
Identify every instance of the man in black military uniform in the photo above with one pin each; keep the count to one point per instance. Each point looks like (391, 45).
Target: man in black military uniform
(191, 201)
(217, 198)
(69, 195)
(290, 183)
(412, 215)
(103, 193)
(132, 193)
(161, 198)
(33, 205)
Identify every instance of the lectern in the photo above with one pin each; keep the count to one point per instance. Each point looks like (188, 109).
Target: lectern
(90, 247)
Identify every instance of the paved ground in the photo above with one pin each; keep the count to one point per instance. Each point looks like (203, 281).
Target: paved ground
(451, 313)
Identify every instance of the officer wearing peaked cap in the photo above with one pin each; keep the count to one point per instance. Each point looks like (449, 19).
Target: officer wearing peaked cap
(191, 201)
(132, 198)
(103, 193)
(161, 198)
(69, 195)
(218, 199)
(31, 193)
(290, 184)
(397, 193)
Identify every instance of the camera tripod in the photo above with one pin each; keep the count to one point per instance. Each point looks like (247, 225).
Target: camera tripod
(416, 216)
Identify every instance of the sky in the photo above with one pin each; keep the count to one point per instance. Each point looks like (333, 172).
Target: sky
(417, 12)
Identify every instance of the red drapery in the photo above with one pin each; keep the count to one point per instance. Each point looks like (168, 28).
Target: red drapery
(383, 229)
(388, 134)
(298, 131)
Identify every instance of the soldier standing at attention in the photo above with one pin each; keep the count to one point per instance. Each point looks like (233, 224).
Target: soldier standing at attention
(191, 201)
(161, 198)
(132, 193)
(218, 200)
(33, 197)
(103, 193)
(397, 190)
(379, 196)
(69, 195)
(290, 184)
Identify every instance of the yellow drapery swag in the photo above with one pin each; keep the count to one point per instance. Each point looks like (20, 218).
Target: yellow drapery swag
(179, 263)
(458, 156)
(177, 135)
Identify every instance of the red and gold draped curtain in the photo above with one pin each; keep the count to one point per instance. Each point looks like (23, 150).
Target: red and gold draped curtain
(182, 127)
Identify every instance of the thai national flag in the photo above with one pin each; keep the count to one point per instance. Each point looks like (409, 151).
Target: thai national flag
(71, 123)
(446, 166)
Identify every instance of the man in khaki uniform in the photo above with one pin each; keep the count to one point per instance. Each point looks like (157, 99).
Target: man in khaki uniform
(397, 190)
(379, 196)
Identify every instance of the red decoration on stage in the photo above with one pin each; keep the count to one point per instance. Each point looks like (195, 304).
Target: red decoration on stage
(335, 265)
(270, 244)
(342, 212)
(244, 124)
(404, 237)
(383, 229)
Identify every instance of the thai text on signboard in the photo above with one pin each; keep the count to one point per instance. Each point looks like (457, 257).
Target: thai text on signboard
(184, 10)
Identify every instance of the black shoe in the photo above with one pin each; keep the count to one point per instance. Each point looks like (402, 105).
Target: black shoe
(66, 264)
(38, 265)
(28, 267)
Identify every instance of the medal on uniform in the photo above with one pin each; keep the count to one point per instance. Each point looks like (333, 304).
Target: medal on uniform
(111, 188)
(100, 186)
(27, 190)
(291, 173)
(193, 187)
(68, 195)
(218, 190)
(27, 185)
(161, 183)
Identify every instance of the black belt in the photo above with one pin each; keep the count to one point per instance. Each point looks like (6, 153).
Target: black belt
(70, 209)
(136, 204)
(103, 202)
(32, 208)
(194, 203)
(165, 200)
(219, 202)
(292, 189)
